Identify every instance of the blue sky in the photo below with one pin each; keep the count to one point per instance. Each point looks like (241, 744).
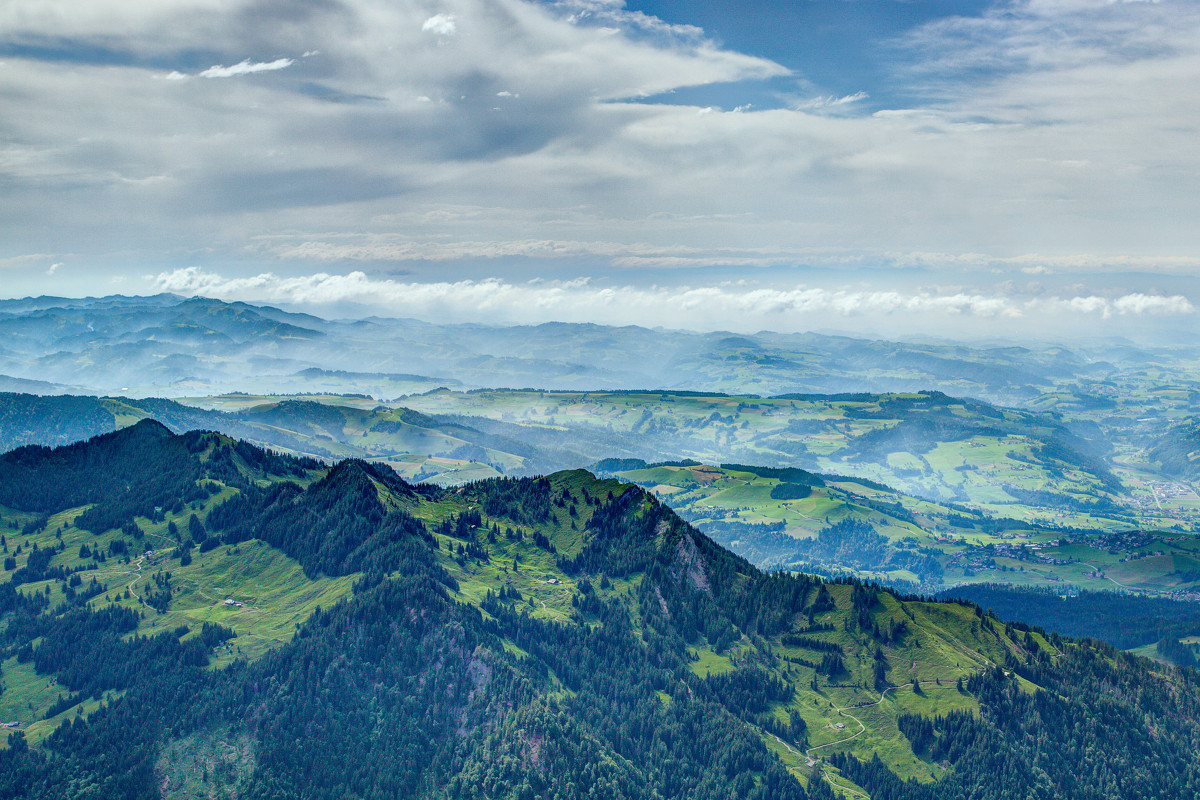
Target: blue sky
(833, 48)
(973, 169)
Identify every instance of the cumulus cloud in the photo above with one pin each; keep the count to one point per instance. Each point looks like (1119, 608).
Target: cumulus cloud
(1139, 303)
(440, 25)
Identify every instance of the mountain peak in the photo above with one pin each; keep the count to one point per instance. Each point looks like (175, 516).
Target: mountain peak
(145, 427)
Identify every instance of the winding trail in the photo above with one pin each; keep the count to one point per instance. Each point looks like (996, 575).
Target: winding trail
(134, 582)
(137, 569)
(861, 730)
(136, 572)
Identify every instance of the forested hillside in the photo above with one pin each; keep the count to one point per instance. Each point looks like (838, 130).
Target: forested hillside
(186, 615)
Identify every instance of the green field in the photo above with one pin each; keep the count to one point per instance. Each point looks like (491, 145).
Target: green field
(252, 588)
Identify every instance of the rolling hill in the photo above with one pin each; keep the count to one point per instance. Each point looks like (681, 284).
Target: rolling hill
(324, 427)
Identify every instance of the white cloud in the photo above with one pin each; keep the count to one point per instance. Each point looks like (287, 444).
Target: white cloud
(825, 102)
(729, 306)
(245, 67)
(53, 268)
(440, 25)
(1049, 136)
(1139, 303)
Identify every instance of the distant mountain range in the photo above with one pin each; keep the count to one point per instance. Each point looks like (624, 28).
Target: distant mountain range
(172, 346)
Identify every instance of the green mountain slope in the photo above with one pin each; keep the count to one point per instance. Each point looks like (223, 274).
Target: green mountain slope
(558, 637)
(1178, 451)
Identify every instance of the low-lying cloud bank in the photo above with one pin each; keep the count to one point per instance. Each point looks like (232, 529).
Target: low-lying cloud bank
(730, 306)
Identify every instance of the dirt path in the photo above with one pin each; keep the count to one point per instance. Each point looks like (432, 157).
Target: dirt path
(861, 727)
(810, 761)
(136, 572)
(1110, 580)
(133, 582)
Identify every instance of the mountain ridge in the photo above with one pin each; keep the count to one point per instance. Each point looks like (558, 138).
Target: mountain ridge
(275, 343)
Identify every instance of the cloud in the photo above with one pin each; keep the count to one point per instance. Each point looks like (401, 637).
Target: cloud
(246, 67)
(826, 102)
(440, 25)
(395, 248)
(53, 268)
(1139, 303)
(1039, 136)
(24, 261)
(711, 307)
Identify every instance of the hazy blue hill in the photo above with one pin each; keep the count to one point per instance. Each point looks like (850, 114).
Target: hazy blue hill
(1178, 450)
(316, 374)
(24, 385)
(551, 355)
(50, 420)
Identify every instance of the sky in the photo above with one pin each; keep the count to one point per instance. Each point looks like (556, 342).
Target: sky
(978, 169)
